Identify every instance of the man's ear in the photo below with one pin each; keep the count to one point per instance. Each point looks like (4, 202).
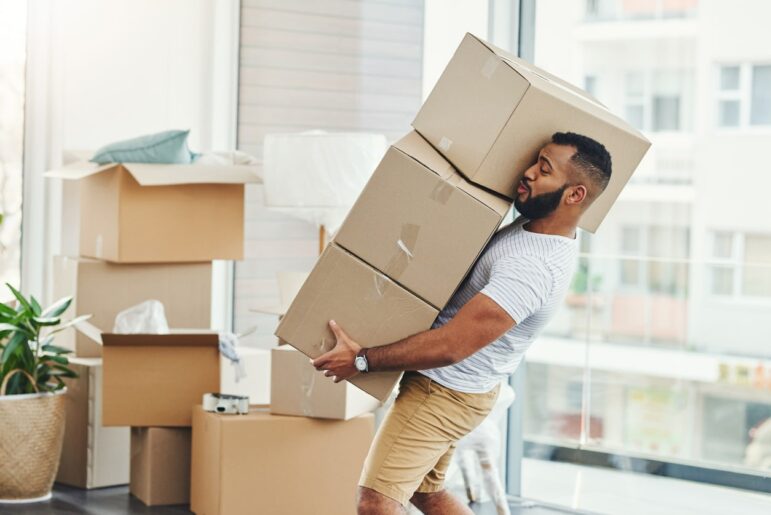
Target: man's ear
(577, 194)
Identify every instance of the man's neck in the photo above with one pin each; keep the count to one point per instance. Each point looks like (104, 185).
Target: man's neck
(551, 226)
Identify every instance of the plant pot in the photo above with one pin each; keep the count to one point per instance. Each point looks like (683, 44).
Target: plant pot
(31, 436)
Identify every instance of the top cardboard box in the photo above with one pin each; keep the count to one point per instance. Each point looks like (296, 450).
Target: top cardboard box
(151, 213)
(491, 112)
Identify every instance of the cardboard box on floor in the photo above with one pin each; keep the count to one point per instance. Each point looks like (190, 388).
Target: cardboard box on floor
(149, 213)
(490, 112)
(419, 222)
(93, 456)
(256, 384)
(369, 306)
(263, 463)
(104, 289)
(160, 465)
(299, 389)
(155, 379)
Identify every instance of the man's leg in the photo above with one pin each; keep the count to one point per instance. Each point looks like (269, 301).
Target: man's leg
(371, 502)
(439, 503)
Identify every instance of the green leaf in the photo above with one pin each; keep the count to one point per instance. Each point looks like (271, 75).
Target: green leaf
(56, 359)
(12, 346)
(14, 328)
(36, 309)
(58, 307)
(70, 323)
(22, 301)
(55, 349)
(6, 310)
(46, 321)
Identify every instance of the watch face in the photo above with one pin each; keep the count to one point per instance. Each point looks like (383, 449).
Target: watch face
(360, 363)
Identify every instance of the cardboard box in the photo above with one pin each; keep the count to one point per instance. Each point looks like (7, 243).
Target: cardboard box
(155, 379)
(160, 465)
(369, 306)
(145, 213)
(491, 112)
(402, 222)
(104, 289)
(263, 463)
(299, 389)
(256, 384)
(93, 456)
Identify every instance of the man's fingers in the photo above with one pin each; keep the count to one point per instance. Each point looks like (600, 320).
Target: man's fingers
(328, 373)
(337, 379)
(319, 362)
(339, 333)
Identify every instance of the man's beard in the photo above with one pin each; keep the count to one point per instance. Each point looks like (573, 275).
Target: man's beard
(541, 205)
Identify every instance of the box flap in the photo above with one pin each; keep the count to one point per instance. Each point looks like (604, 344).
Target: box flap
(148, 174)
(186, 339)
(77, 170)
(165, 175)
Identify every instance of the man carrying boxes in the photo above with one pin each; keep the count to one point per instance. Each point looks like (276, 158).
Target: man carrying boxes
(480, 336)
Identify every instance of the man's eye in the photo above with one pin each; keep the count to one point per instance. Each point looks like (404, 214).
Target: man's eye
(544, 171)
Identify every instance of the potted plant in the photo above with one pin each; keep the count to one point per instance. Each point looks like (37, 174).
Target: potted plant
(32, 371)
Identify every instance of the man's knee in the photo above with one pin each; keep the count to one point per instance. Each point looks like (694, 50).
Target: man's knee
(370, 502)
(424, 501)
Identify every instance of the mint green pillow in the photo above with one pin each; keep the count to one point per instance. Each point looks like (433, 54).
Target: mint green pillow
(169, 147)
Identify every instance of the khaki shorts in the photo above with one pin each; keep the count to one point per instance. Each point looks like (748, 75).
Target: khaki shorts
(415, 442)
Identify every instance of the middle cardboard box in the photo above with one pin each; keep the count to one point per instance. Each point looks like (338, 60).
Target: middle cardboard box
(420, 222)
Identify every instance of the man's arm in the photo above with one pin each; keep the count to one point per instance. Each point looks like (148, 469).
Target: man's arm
(479, 322)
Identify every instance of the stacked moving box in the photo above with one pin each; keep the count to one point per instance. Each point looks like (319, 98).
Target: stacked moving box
(145, 232)
(438, 196)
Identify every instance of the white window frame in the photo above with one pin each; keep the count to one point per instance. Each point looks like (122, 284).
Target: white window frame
(645, 99)
(743, 95)
(736, 263)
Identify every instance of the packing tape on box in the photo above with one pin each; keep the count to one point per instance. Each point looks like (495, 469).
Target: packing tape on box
(442, 192)
(402, 256)
(488, 69)
(445, 143)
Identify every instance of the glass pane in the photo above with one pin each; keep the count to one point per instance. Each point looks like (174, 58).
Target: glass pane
(729, 78)
(722, 280)
(728, 113)
(12, 87)
(634, 115)
(635, 84)
(722, 245)
(590, 84)
(760, 108)
(756, 279)
(630, 240)
(666, 113)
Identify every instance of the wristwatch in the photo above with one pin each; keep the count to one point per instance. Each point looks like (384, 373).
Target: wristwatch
(360, 362)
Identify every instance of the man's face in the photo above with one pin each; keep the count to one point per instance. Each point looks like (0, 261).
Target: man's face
(540, 191)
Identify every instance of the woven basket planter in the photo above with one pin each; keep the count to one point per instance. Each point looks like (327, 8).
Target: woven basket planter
(31, 435)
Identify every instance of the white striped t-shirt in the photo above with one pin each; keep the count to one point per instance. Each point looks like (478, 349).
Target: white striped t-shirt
(525, 273)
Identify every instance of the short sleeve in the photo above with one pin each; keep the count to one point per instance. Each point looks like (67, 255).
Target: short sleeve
(519, 285)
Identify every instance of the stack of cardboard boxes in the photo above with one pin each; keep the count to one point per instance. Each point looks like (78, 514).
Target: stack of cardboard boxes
(145, 232)
(438, 196)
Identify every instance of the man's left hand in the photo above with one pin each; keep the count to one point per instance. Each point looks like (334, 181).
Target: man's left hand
(339, 362)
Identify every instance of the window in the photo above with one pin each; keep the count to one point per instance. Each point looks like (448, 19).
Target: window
(743, 95)
(655, 266)
(760, 113)
(742, 265)
(12, 92)
(654, 100)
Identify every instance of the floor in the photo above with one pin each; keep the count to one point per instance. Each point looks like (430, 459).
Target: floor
(603, 490)
(117, 501)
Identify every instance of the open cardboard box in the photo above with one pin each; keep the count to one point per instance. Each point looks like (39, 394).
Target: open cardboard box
(490, 112)
(142, 213)
(103, 289)
(155, 379)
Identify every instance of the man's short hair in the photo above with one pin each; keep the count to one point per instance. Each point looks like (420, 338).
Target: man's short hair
(592, 159)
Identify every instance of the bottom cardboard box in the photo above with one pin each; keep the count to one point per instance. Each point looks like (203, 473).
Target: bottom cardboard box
(277, 465)
(370, 307)
(160, 465)
(93, 456)
(299, 389)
